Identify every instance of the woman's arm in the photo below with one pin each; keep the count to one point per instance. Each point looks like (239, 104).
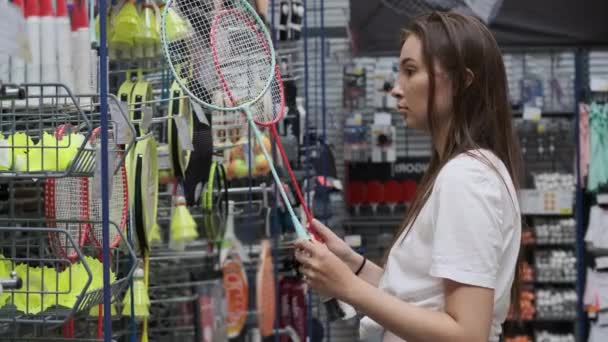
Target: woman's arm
(370, 272)
(467, 316)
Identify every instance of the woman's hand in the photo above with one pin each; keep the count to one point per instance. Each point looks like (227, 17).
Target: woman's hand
(337, 246)
(323, 271)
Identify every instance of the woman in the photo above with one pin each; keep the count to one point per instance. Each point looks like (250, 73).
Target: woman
(449, 274)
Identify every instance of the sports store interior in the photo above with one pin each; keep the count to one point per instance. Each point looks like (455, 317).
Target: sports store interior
(152, 184)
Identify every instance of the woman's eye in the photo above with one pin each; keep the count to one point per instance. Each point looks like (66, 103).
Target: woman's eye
(409, 72)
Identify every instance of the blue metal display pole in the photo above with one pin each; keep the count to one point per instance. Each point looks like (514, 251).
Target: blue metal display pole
(275, 232)
(105, 212)
(581, 272)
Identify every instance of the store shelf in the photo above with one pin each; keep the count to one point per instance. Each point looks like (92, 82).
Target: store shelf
(546, 202)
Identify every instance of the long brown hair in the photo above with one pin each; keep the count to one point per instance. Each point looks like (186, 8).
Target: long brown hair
(481, 110)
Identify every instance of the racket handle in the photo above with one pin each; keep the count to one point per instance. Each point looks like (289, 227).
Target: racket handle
(338, 310)
(302, 234)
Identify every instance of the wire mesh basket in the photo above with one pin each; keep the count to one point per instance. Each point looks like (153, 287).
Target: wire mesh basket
(49, 132)
(55, 288)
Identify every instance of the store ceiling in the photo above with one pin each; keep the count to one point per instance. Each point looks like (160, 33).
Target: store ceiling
(375, 28)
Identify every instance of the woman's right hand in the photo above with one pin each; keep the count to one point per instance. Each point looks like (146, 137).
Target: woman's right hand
(338, 246)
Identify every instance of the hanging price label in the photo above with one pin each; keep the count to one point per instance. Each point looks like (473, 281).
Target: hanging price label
(200, 113)
(122, 130)
(146, 119)
(182, 132)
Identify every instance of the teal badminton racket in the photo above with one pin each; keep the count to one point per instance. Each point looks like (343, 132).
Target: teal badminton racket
(229, 49)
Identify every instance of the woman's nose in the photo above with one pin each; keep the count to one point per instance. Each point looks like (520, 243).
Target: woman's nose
(397, 92)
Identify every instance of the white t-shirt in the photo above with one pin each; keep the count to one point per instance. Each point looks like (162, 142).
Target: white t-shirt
(468, 231)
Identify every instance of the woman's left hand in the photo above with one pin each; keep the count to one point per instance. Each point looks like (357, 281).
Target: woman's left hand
(322, 270)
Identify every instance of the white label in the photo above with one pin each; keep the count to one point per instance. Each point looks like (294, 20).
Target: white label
(200, 114)
(601, 263)
(163, 160)
(532, 113)
(602, 318)
(122, 130)
(146, 119)
(382, 119)
(183, 134)
(13, 33)
(599, 83)
(97, 173)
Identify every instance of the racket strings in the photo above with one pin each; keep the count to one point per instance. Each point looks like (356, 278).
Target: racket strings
(241, 54)
(270, 108)
(118, 209)
(69, 203)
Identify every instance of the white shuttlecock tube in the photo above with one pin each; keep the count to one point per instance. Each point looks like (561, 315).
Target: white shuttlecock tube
(64, 60)
(32, 72)
(48, 52)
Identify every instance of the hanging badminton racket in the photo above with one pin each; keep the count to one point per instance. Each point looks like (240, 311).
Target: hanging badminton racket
(215, 203)
(243, 65)
(119, 200)
(270, 110)
(66, 207)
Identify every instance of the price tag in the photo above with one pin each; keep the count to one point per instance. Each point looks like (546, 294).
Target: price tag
(182, 132)
(599, 83)
(200, 113)
(532, 113)
(122, 130)
(564, 201)
(97, 172)
(146, 120)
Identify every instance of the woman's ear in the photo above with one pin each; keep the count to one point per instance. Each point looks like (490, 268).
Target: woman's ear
(469, 77)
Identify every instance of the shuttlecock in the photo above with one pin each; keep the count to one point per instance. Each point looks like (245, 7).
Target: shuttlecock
(183, 227)
(71, 284)
(20, 143)
(148, 39)
(141, 300)
(5, 271)
(154, 235)
(35, 295)
(175, 26)
(126, 27)
(6, 155)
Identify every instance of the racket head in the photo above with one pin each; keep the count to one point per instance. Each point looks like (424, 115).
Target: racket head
(265, 291)
(149, 182)
(178, 105)
(215, 202)
(236, 293)
(235, 37)
(66, 199)
(271, 107)
(119, 199)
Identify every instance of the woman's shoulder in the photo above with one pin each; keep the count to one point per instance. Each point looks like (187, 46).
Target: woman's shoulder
(477, 166)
